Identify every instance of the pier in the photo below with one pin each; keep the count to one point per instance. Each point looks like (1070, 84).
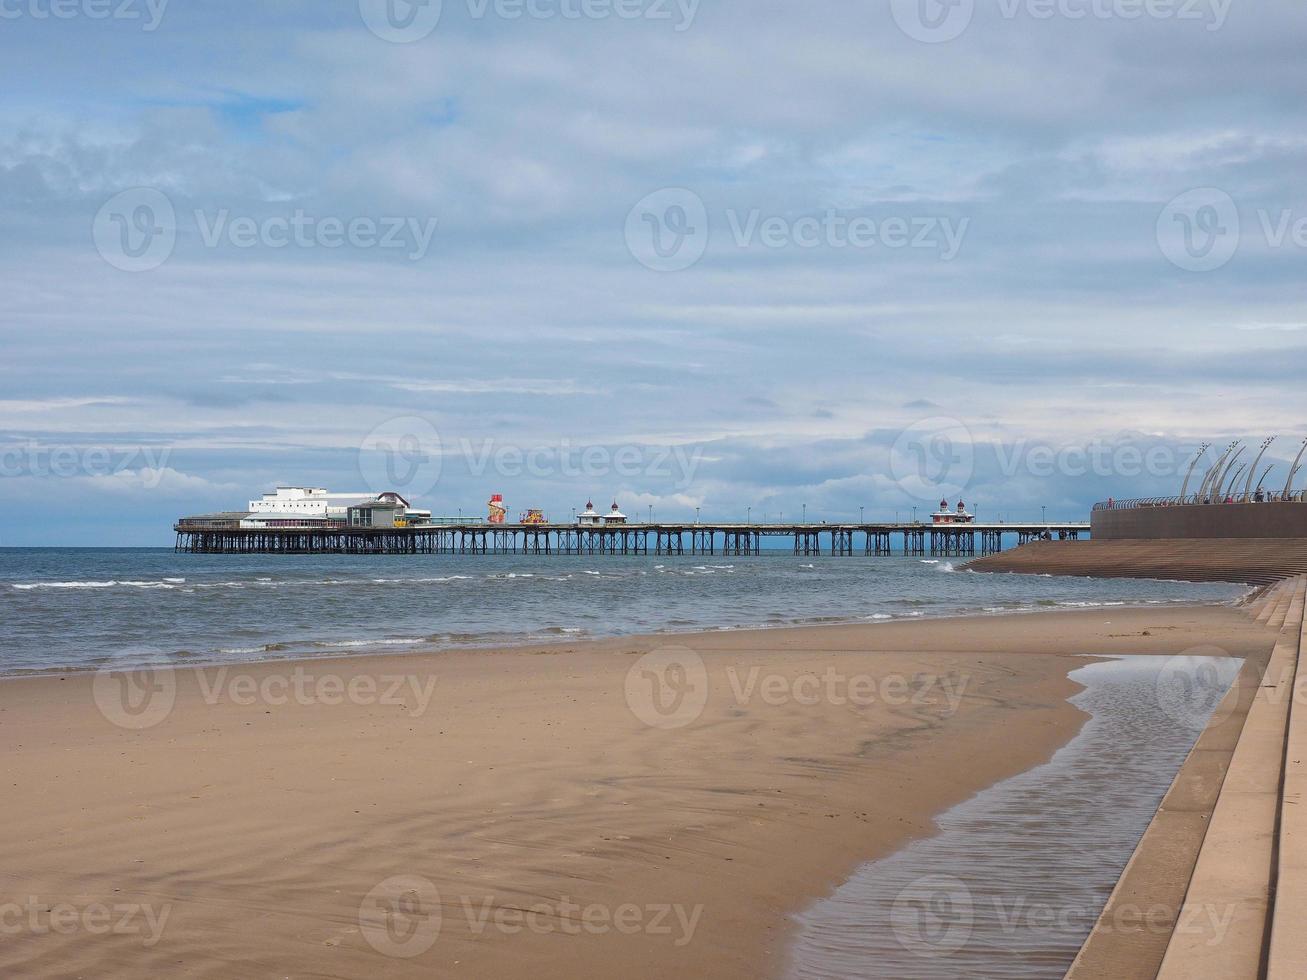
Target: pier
(711, 539)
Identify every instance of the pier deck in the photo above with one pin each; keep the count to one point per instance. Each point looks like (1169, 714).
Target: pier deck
(872, 539)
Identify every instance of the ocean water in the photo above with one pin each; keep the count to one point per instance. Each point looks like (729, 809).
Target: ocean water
(1019, 873)
(85, 607)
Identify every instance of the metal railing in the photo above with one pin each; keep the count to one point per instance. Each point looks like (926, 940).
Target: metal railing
(1194, 499)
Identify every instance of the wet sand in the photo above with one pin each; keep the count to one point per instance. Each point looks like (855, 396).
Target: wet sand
(576, 810)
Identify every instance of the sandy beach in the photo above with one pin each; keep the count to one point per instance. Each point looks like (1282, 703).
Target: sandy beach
(634, 807)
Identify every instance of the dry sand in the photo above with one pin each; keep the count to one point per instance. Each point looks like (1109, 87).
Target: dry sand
(558, 834)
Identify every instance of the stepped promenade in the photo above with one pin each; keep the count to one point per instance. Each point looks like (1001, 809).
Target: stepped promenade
(1224, 861)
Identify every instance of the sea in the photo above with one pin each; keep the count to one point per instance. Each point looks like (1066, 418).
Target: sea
(83, 608)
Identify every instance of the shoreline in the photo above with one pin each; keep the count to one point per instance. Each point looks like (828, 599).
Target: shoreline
(533, 781)
(423, 648)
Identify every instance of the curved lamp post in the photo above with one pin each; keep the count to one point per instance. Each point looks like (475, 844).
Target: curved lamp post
(1223, 485)
(1233, 482)
(1265, 473)
(1219, 483)
(1205, 491)
(1184, 488)
(1252, 470)
(1293, 470)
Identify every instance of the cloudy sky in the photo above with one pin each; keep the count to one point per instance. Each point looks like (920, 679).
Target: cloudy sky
(716, 255)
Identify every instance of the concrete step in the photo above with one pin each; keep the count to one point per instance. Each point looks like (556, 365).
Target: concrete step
(1256, 561)
(1269, 600)
(1222, 927)
(1281, 611)
(1258, 601)
(1287, 956)
(1267, 606)
(1262, 608)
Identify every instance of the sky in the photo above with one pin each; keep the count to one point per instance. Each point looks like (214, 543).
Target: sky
(743, 259)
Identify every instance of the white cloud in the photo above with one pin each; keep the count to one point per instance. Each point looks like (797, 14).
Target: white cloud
(1273, 327)
(57, 404)
(530, 322)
